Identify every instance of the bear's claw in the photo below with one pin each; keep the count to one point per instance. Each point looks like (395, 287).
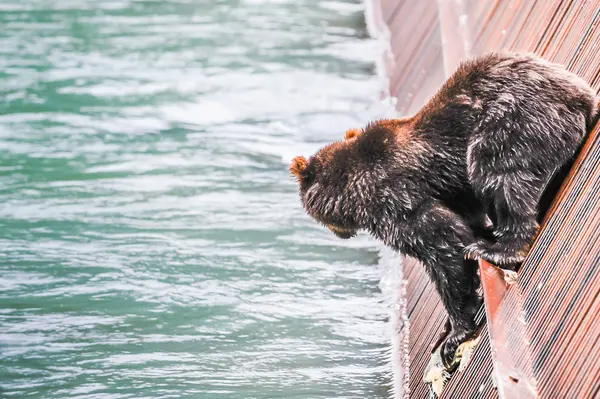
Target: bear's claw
(437, 374)
(497, 254)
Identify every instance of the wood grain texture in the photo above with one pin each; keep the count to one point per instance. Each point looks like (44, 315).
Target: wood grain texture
(559, 284)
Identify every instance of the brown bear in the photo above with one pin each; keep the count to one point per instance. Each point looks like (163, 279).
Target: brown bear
(462, 179)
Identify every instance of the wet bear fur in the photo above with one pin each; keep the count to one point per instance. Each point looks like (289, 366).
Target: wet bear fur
(460, 180)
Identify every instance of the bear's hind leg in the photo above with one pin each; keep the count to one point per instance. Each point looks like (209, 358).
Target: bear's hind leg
(515, 196)
(512, 155)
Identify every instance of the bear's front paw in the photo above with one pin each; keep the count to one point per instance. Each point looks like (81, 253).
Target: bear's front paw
(448, 353)
(451, 351)
(501, 254)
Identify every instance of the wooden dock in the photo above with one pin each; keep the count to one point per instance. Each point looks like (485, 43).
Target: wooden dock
(547, 326)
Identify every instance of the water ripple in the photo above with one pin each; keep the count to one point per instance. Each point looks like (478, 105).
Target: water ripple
(152, 242)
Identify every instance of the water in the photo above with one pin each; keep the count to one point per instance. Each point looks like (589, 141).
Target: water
(152, 243)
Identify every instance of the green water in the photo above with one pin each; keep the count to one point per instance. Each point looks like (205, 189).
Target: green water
(152, 244)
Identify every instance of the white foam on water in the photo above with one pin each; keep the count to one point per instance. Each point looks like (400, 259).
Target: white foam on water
(393, 284)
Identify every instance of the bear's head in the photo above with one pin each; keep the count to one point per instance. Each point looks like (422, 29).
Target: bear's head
(342, 184)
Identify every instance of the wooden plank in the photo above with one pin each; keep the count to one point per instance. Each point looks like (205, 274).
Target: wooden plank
(560, 282)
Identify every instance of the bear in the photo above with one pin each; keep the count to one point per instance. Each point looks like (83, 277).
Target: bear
(460, 180)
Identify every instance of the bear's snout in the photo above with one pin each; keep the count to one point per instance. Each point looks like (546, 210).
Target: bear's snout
(342, 232)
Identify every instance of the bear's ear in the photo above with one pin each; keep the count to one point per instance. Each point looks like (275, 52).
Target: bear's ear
(298, 167)
(352, 133)
(373, 143)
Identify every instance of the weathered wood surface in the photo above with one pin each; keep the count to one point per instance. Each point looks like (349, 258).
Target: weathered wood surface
(559, 285)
